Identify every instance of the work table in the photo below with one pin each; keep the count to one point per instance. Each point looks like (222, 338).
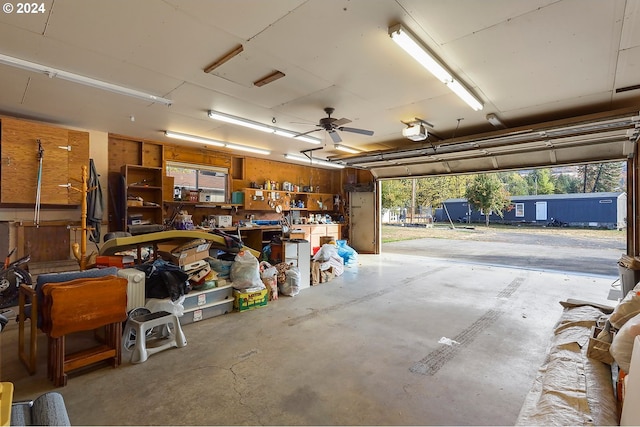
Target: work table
(257, 236)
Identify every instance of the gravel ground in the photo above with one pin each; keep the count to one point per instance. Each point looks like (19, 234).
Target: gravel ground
(570, 237)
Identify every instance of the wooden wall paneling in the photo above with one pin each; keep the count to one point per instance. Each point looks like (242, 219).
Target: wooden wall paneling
(237, 168)
(78, 157)
(55, 172)
(47, 242)
(151, 155)
(167, 187)
(123, 151)
(20, 162)
(197, 156)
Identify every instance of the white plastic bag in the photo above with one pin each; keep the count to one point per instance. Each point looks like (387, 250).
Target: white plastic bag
(628, 308)
(622, 344)
(245, 271)
(174, 307)
(269, 276)
(326, 252)
(291, 285)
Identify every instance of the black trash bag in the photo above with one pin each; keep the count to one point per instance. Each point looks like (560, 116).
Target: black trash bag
(165, 280)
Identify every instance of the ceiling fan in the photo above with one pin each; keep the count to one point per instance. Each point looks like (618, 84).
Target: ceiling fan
(332, 125)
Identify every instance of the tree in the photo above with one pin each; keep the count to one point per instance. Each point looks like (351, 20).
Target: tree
(540, 182)
(596, 177)
(396, 193)
(486, 193)
(566, 184)
(515, 184)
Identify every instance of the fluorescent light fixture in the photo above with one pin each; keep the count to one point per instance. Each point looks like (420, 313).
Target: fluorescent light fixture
(313, 161)
(247, 148)
(462, 92)
(193, 138)
(83, 80)
(495, 121)
(228, 118)
(236, 51)
(346, 148)
(239, 121)
(420, 53)
(215, 142)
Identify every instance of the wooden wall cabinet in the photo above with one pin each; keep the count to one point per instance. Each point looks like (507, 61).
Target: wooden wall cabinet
(144, 183)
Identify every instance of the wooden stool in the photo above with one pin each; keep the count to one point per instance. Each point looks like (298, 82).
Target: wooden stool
(165, 337)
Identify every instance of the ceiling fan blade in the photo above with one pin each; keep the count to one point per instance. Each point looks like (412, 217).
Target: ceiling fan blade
(356, 130)
(334, 136)
(306, 133)
(341, 122)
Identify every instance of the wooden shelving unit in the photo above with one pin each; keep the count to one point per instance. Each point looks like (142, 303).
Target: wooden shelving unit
(266, 200)
(144, 183)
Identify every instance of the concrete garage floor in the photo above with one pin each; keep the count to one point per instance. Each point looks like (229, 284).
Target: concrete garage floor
(362, 349)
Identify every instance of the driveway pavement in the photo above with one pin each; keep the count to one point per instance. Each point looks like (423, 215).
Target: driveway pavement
(546, 252)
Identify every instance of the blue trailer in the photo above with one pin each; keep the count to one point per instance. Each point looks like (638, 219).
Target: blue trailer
(600, 210)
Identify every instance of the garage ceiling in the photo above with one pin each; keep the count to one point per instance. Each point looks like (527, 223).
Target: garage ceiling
(563, 76)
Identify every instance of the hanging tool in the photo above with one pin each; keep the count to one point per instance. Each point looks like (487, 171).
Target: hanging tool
(36, 218)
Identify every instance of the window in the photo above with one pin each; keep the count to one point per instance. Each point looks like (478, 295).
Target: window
(210, 180)
(519, 210)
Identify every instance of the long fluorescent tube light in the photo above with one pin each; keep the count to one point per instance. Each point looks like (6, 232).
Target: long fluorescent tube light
(193, 138)
(420, 53)
(313, 161)
(215, 142)
(247, 148)
(228, 118)
(346, 148)
(83, 80)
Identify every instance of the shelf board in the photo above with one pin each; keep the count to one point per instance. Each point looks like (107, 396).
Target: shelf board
(204, 204)
(143, 187)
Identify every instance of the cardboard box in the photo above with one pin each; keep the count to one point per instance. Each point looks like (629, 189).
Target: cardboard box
(243, 301)
(187, 256)
(198, 275)
(320, 276)
(223, 221)
(599, 349)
